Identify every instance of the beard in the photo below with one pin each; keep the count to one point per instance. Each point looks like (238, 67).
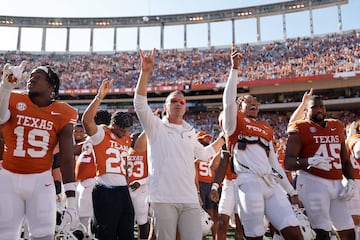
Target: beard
(319, 117)
(33, 94)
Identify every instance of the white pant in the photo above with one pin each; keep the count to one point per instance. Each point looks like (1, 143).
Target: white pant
(27, 195)
(140, 203)
(257, 199)
(354, 202)
(84, 193)
(172, 216)
(227, 203)
(322, 204)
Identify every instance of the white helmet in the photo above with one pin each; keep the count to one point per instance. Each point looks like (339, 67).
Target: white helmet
(77, 234)
(63, 231)
(304, 224)
(305, 227)
(206, 222)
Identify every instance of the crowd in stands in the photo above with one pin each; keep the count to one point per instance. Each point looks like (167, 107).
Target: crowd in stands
(309, 56)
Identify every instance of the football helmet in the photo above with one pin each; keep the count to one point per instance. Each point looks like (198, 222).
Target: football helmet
(206, 222)
(304, 224)
(64, 231)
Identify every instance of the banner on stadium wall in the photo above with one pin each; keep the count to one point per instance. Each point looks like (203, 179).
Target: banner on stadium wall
(123, 90)
(344, 74)
(242, 83)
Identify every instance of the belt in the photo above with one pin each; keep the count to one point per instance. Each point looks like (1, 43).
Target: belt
(110, 186)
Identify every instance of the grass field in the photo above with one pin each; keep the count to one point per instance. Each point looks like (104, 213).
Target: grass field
(230, 235)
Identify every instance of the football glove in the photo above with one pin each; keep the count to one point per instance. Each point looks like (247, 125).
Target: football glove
(320, 162)
(348, 191)
(12, 75)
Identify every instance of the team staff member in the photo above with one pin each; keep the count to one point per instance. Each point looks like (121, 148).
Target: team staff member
(316, 147)
(256, 165)
(172, 148)
(113, 209)
(33, 123)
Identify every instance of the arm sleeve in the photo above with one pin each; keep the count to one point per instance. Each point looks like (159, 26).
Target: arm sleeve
(145, 115)
(98, 136)
(56, 162)
(4, 104)
(284, 182)
(229, 104)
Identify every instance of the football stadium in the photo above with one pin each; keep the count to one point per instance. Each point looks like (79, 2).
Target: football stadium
(193, 56)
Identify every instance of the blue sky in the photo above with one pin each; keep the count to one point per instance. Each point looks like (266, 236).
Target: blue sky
(298, 24)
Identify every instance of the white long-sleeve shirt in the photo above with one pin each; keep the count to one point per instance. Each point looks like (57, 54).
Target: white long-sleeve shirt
(253, 160)
(172, 149)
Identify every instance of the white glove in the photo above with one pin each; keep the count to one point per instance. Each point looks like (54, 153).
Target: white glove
(348, 191)
(351, 130)
(320, 162)
(70, 217)
(12, 75)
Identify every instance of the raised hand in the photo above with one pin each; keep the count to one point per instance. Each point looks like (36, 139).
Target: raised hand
(105, 87)
(12, 75)
(307, 95)
(147, 60)
(236, 57)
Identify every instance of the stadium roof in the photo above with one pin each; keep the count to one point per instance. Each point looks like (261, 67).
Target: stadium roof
(175, 19)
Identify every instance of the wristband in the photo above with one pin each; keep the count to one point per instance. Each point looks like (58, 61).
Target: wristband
(214, 186)
(98, 97)
(292, 193)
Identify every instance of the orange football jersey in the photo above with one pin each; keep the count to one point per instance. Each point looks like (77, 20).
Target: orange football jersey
(281, 158)
(203, 171)
(85, 163)
(31, 133)
(355, 161)
(137, 166)
(321, 141)
(247, 126)
(111, 152)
